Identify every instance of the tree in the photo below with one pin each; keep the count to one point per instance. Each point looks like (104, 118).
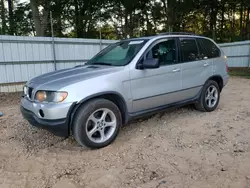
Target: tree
(24, 24)
(40, 18)
(11, 18)
(3, 18)
(222, 20)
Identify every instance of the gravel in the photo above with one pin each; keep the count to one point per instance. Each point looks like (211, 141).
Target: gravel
(178, 148)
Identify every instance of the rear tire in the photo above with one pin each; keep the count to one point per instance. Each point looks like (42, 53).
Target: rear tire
(210, 97)
(97, 123)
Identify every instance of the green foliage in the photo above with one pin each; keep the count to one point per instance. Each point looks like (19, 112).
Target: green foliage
(241, 72)
(223, 20)
(23, 20)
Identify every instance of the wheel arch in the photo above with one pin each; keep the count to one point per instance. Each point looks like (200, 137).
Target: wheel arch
(218, 79)
(112, 96)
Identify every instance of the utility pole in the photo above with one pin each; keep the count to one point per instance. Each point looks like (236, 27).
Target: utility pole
(100, 34)
(53, 41)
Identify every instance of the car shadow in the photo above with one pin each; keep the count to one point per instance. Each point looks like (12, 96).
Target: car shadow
(33, 139)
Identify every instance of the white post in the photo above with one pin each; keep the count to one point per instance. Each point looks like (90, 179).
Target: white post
(53, 41)
(100, 32)
(249, 56)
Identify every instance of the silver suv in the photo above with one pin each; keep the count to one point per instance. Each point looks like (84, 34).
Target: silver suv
(126, 80)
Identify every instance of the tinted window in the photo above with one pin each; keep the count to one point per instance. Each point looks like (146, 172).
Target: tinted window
(212, 50)
(189, 50)
(164, 51)
(202, 50)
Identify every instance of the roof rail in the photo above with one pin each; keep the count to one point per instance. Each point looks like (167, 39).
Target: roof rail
(177, 33)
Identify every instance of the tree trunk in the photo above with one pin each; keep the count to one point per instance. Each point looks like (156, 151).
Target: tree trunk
(166, 13)
(169, 11)
(57, 15)
(36, 16)
(233, 13)
(59, 27)
(222, 21)
(3, 32)
(78, 20)
(121, 21)
(126, 25)
(81, 19)
(41, 22)
(45, 18)
(205, 22)
(248, 24)
(241, 20)
(231, 18)
(11, 18)
(132, 25)
(213, 18)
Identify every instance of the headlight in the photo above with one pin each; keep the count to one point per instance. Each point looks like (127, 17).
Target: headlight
(51, 96)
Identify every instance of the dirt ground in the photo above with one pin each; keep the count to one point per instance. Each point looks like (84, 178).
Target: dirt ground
(179, 148)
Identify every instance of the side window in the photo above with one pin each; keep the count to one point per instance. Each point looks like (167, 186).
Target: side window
(164, 51)
(189, 49)
(212, 50)
(202, 50)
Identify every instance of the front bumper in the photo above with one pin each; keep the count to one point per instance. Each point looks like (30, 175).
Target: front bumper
(56, 117)
(59, 127)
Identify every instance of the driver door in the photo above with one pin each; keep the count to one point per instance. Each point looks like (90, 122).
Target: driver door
(153, 88)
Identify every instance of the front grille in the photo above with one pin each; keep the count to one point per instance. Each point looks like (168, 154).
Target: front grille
(30, 92)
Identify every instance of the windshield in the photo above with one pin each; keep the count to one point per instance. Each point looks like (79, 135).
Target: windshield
(118, 54)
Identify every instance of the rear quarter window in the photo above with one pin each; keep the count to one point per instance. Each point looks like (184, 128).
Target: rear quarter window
(189, 49)
(211, 50)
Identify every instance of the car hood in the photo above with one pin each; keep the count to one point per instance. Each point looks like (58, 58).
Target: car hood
(59, 79)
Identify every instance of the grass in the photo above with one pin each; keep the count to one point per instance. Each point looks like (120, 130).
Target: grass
(240, 72)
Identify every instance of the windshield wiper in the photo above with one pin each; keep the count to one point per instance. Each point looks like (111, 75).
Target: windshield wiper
(100, 63)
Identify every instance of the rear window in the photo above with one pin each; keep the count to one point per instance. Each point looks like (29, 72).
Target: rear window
(189, 50)
(211, 50)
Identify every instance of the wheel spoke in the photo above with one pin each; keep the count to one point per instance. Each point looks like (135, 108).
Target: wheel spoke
(102, 134)
(104, 114)
(110, 124)
(93, 118)
(213, 90)
(210, 103)
(207, 97)
(90, 133)
(214, 98)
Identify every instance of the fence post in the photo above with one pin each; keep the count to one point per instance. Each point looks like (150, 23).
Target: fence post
(53, 41)
(100, 38)
(249, 56)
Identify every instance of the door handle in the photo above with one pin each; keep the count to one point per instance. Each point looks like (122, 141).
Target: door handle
(206, 64)
(176, 70)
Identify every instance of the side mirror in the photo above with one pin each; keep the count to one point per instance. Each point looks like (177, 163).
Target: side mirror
(151, 64)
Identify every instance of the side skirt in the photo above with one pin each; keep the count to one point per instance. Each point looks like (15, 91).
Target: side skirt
(148, 112)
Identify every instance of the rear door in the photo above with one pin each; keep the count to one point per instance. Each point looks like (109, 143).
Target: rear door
(196, 66)
(213, 54)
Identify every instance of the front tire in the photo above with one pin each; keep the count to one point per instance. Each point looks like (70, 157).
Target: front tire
(210, 97)
(97, 123)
